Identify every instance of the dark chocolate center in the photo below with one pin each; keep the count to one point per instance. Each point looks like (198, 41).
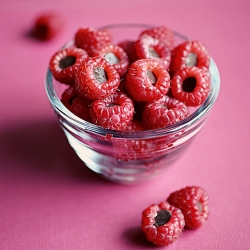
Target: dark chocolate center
(100, 75)
(67, 61)
(189, 84)
(151, 76)
(162, 218)
(191, 59)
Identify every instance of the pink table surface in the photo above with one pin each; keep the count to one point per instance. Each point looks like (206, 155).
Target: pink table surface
(49, 200)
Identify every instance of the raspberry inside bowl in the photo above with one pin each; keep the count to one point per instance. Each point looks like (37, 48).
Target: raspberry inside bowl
(130, 157)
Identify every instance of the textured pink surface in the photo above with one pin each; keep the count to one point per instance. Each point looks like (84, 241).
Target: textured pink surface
(48, 200)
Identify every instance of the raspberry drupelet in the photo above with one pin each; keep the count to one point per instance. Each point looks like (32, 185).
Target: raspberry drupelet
(189, 54)
(64, 63)
(191, 85)
(113, 112)
(193, 202)
(116, 56)
(162, 224)
(90, 39)
(147, 80)
(164, 112)
(96, 78)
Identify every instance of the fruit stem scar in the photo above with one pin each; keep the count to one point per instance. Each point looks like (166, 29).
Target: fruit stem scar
(162, 217)
(67, 61)
(191, 60)
(151, 76)
(100, 74)
(111, 58)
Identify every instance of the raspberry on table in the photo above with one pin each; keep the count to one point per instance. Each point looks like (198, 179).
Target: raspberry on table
(47, 26)
(193, 202)
(116, 56)
(162, 33)
(164, 112)
(189, 54)
(64, 63)
(162, 224)
(90, 39)
(113, 112)
(76, 104)
(149, 47)
(191, 85)
(147, 80)
(96, 78)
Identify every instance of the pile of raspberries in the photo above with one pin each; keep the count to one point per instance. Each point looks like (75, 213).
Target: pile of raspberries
(134, 85)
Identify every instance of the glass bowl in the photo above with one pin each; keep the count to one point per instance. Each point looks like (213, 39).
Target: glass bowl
(130, 157)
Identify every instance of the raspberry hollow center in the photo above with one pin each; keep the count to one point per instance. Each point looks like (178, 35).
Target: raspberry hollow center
(191, 59)
(100, 75)
(67, 61)
(153, 53)
(151, 76)
(162, 218)
(111, 58)
(189, 84)
(200, 207)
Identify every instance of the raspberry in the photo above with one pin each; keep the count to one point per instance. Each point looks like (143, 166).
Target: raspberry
(191, 85)
(149, 47)
(135, 125)
(162, 224)
(164, 112)
(113, 112)
(116, 56)
(189, 54)
(147, 80)
(64, 63)
(77, 105)
(162, 33)
(90, 39)
(96, 78)
(193, 202)
(47, 26)
(129, 47)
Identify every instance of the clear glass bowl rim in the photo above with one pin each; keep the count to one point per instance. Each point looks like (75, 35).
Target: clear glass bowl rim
(85, 126)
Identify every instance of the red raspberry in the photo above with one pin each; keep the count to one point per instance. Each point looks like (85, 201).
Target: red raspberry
(116, 56)
(149, 47)
(96, 78)
(189, 54)
(113, 112)
(135, 125)
(164, 112)
(191, 85)
(76, 104)
(162, 224)
(147, 80)
(90, 39)
(129, 47)
(47, 26)
(193, 202)
(64, 63)
(162, 33)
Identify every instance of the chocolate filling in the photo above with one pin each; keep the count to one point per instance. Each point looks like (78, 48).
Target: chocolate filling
(100, 75)
(162, 218)
(151, 76)
(191, 60)
(111, 58)
(189, 84)
(67, 61)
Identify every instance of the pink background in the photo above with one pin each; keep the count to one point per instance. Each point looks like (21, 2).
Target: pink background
(49, 200)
